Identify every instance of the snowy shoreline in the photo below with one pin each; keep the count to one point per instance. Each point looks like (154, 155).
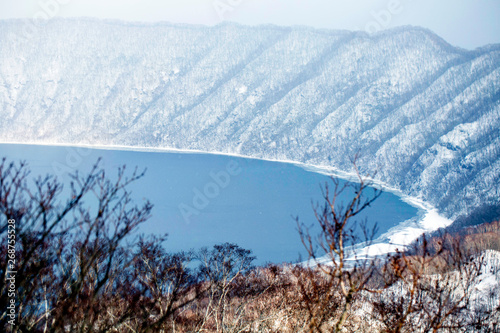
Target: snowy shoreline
(398, 237)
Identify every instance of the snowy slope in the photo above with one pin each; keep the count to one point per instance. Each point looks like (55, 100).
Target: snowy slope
(486, 292)
(423, 114)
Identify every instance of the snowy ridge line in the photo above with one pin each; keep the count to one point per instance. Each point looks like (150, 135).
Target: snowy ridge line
(419, 111)
(428, 218)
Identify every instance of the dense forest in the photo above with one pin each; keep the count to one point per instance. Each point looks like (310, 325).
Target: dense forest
(421, 112)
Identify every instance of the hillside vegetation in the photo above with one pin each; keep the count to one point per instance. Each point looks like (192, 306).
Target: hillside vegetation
(423, 114)
(77, 266)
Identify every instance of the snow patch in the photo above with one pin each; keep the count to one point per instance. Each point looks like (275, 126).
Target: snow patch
(242, 90)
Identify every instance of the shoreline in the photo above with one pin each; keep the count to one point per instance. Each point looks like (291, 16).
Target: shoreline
(428, 218)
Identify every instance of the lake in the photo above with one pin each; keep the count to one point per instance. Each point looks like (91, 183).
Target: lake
(204, 199)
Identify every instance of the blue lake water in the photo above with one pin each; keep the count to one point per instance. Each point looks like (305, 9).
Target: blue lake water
(205, 199)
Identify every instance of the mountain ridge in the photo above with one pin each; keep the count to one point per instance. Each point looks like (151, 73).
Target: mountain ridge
(422, 113)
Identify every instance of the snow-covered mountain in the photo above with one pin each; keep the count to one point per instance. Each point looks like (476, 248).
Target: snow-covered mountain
(423, 114)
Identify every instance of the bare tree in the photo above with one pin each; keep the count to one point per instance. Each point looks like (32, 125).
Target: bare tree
(67, 252)
(81, 269)
(428, 288)
(336, 276)
(220, 267)
(168, 282)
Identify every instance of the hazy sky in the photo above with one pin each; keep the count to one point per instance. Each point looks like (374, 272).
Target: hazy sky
(465, 23)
